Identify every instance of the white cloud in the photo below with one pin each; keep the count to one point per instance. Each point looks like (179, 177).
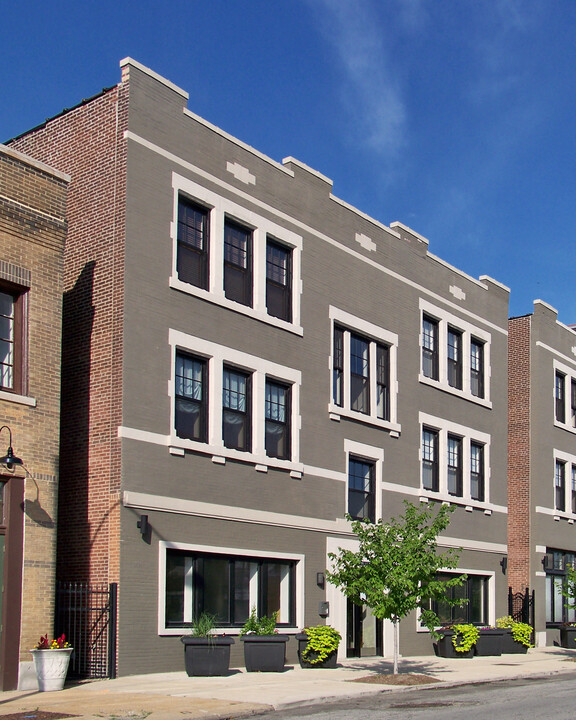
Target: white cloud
(372, 92)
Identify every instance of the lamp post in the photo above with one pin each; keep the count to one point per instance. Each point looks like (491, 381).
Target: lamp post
(9, 459)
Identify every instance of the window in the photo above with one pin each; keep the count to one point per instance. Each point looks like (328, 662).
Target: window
(430, 347)
(476, 471)
(556, 563)
(191, 405)
(230, 404)
(454, 462)
(227, 254)
(227, 587)
(236, 402)
(193, 238)
(455, 465)
(454, 358)
(477, 367)
(430, 459)
(361, 503)
(11, 340)
(559, 394)
(560, 486)
(455, 355)
(573, 498)
(277, 420)
(474, 591)
(363, 371)
(278, 280)
(573, 402)
(237, 263)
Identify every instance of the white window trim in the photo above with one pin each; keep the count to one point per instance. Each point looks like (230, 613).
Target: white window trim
(371, 454)
(375, 333)
(165, 545)
(469, 331)
(217, 356)
(569, 460)
(221, 208)
(468, 435)
(490, 574)
(569, 375)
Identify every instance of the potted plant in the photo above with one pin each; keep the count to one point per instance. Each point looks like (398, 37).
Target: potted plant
(489, 641)
(205, 653)
(318, 646)
(51, 660)
(458, 640)
(568, 635)
(517, 637)
(264, 649)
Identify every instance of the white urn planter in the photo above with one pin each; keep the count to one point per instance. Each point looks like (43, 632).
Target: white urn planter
(51, 668)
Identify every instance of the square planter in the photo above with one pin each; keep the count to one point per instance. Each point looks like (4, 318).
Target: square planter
(568, 637)
(264, 653)
(509, 645)
(445, 649)
(205, 656)
(489, 642)
(329, 662)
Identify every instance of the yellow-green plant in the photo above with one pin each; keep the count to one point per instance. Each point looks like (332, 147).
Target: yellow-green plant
(464, 637)
(323, 640)
(521, 632)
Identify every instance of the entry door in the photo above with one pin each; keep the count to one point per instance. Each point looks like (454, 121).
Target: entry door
(354, 630)
(364, 633)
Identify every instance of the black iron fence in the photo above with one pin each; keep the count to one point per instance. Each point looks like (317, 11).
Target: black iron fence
(87, 614)
(521, 606)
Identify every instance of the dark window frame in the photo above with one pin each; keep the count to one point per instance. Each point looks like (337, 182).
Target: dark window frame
(560, 397)
(454, 357)
(560, 485)
(454, 448)
(273, 425)
(477, 472)
(468, 613)
(15, 340)
(233, 415)
(187, 402)
(477, 367)
(192, 256)
(556, 563)
(430, 348)
(338, 366)
(238, 262)
(430, 459)
(278, 293)
(361, 496)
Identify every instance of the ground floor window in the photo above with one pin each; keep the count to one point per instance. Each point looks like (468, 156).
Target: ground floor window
(556, 563)
(475, 610)
(227, 587)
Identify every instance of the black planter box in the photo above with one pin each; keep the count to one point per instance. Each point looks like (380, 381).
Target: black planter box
(510, 646)
(489, 642)
(264, 653)
(329, 662)
(445, 649)
(204, 656)
(568, 637)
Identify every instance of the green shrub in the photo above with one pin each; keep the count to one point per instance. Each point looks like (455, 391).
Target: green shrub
(323, 640)
(260, 625)
(465, 637)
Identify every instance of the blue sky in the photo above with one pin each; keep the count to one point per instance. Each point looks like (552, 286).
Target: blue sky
(455, 117)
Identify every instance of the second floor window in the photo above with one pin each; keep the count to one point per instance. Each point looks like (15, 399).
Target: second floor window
(559, 395)
(277, 420)
(430, 459)
(191, 400)
(476, 471)
(454, 358)
(477, 368)
(236, 402)
(560, 486)
(455, 465)
(361, 493)
(237, 263)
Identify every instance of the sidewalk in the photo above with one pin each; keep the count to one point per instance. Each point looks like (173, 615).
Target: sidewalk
(171, 696)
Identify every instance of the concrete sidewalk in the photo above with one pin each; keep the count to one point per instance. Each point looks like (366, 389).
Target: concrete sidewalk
(168, 696)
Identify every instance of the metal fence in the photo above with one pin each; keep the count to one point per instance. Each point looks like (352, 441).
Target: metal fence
(521, 606)
(87, 614)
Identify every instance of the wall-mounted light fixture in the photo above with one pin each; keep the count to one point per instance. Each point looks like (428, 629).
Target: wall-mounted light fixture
(504, 564)
(9, 459)
(142, 525)
(320, 579)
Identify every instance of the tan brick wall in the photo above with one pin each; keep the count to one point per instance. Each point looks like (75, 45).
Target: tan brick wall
(87, 143)
(519, 453)
(32, 235)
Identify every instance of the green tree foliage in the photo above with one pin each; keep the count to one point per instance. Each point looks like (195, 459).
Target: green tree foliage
(395, 569)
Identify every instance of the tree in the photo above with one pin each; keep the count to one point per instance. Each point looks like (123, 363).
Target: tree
(394, 571)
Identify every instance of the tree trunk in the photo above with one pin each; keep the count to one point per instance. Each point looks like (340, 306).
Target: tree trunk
(396, 643)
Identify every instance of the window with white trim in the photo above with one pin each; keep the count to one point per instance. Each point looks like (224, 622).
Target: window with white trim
(12, 338)
(363, 371)
(454, 461)
(556, 564)
(564, 396)
(364, 470)
(564, 484)
(231, 404)
(474, 590)
(229, 255)
(455, 355)
(227, 586)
